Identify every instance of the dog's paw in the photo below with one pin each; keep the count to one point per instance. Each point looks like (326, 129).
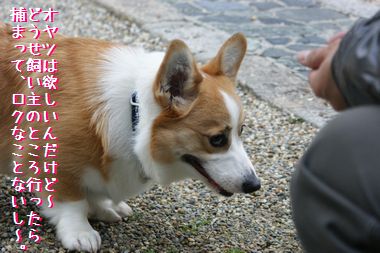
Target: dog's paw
(106, 214)
(72, 226)
(105, 210)
(82, 240)
(123, 209)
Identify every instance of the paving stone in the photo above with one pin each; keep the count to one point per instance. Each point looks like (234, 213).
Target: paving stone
(310, 14)
(276, 31)
(275, 53)
(289, 61)
(278, 40)
(256, 46)
(312, 40)
(222, 18)
(233, 27)
(250, 13)
(326, 26)
(265, 6)
(218, 6)
(271, 21)
(189, 9)
(346, 23)
(300, 3)
(300, 47)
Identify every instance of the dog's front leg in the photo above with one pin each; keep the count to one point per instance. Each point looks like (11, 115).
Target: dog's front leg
(72, 226)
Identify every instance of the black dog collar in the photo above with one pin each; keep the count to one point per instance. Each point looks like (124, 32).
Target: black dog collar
(135, 110)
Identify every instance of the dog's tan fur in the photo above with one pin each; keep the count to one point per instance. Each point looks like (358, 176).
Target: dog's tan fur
(79, 144)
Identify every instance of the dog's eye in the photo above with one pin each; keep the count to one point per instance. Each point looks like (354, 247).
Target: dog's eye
(218, 140)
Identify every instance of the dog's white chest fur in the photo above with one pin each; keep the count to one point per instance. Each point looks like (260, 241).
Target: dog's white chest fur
(127, 179)
(126, 70)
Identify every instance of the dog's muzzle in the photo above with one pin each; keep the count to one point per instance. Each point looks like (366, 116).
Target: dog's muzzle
(197, 164)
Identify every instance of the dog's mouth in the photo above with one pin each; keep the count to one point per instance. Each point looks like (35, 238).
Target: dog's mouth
(196, 163)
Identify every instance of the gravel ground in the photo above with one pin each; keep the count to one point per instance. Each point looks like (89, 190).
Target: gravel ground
(187, 217)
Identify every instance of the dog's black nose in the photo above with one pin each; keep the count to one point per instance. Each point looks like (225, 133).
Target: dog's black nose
(251, 185)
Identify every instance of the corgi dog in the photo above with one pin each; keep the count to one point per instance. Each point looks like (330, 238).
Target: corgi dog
(127, 120)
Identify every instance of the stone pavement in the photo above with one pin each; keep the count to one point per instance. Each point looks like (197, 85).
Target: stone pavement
(275, 29)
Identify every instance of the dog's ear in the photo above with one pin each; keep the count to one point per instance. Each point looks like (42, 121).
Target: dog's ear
(229, 57)
(178, 79)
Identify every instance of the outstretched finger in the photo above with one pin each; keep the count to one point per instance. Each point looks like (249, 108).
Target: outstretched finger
(313, 58)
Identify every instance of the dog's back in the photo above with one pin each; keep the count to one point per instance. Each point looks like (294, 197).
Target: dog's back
(76, 59)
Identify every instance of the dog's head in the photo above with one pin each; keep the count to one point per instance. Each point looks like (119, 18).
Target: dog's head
(197, 133)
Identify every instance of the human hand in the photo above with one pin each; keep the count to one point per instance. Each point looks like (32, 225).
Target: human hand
(320, 78)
